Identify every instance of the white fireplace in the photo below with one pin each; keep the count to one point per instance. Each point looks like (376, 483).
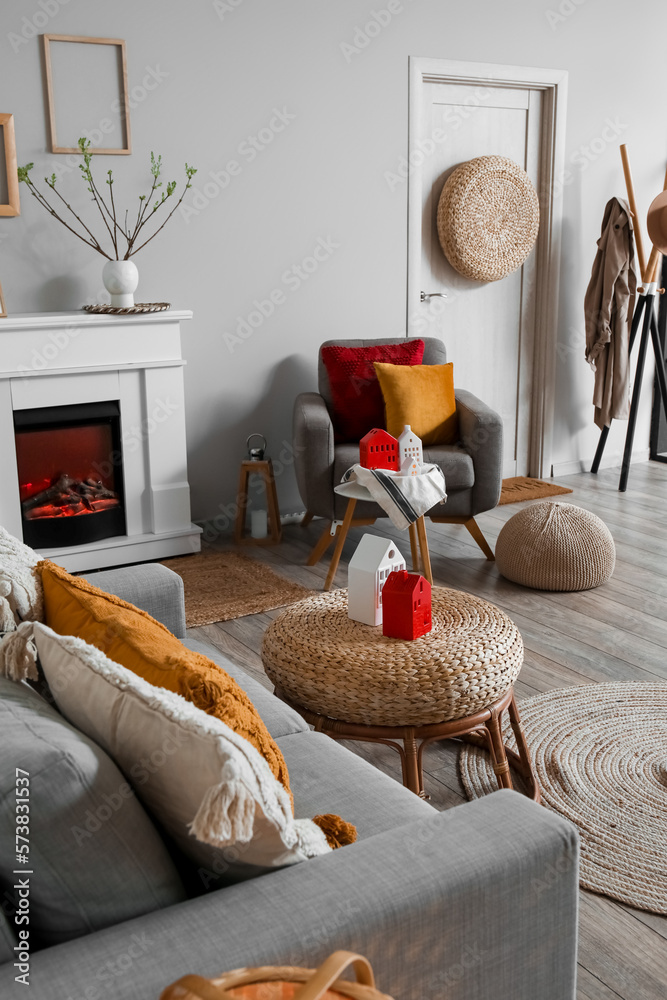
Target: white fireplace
(119, 379)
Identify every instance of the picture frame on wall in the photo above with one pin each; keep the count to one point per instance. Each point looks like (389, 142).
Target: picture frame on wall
(13, 204)
(3, 308)
(90, 85)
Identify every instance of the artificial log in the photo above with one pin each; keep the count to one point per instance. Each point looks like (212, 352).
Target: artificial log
(67, 497)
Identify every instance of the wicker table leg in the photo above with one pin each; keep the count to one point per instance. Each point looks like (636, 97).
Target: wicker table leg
(412, 775)
(500, 763)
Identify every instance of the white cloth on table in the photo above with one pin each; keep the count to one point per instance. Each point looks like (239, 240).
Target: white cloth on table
(403, 498)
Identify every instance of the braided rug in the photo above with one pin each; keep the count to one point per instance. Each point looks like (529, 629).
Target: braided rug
(600, 755)
(488, 218)
(329, 664)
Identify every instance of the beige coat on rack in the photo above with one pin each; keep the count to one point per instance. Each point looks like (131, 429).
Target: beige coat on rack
(608, 307)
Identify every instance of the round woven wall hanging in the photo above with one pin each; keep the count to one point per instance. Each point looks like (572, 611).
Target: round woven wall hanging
(488, 218)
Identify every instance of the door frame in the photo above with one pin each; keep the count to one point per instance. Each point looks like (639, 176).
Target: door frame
(553, 84)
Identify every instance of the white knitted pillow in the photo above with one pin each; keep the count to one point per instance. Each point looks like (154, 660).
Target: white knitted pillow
(20, 584)
(207, 786)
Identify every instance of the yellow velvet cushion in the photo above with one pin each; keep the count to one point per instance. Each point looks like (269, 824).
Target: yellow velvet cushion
(421, 396)
(132, 638)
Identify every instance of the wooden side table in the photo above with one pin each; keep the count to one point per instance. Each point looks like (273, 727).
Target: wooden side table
(264, 469)
(417, 531)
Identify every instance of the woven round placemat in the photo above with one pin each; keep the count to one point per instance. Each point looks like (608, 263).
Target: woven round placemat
(488, 218)
(329, 664)
(555, 546)
(600, 755)
(138, 307)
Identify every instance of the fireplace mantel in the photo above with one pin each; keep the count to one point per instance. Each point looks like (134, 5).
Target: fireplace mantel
(52, 359)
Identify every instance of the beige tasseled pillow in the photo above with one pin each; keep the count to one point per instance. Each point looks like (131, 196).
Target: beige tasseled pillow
(556, 546)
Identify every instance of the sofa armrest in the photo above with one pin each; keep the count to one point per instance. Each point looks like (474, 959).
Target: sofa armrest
(479, 901)
(481, 430)
(313, 439)
(152, 587)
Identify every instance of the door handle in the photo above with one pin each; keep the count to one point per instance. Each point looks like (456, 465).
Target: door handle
(423, 296)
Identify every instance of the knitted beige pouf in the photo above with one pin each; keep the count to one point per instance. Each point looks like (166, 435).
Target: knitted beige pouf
(556, 546)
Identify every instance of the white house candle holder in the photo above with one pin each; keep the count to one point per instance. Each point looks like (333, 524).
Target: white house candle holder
(374, 559)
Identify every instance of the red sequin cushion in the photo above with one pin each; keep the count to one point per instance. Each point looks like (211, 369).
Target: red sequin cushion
(355, 391)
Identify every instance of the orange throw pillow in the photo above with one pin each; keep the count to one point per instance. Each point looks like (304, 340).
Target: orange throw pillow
(132, 638)
(421, 396)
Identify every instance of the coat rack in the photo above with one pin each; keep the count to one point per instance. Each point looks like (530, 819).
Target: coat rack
(645, 308)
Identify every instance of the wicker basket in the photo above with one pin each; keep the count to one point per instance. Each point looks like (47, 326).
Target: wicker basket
(274, 982)
(488, 218)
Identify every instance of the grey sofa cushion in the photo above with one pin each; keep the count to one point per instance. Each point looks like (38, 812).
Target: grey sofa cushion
(8, 937)
(278, 717)
(97, 858)
(327, 778)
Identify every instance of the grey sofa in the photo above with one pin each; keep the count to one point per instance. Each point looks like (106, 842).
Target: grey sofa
(472, 467)
(476, 903)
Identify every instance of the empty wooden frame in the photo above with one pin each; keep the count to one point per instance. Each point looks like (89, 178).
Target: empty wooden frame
(13, 205)
(124, 102)
(3, 308)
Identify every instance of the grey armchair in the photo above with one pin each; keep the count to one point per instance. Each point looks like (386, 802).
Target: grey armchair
(472, 467)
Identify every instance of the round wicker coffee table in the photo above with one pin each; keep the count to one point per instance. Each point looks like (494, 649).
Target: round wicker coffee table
(351, 682)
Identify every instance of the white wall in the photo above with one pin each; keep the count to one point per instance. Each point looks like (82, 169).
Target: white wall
(224, 71)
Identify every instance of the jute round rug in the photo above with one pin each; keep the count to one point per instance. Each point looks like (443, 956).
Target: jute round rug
(600, 754)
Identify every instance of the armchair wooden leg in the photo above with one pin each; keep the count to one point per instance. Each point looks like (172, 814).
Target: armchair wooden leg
(474, 529)
(476, 533)
(322, 544)
(306, 519)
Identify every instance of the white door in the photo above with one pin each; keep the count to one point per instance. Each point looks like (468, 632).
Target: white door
(489, 328)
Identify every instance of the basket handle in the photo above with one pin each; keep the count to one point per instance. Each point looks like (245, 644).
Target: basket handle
(319, 983)
(193, 986)
(330, 971)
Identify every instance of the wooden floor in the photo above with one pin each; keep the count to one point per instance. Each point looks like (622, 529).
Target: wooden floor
(617, 632)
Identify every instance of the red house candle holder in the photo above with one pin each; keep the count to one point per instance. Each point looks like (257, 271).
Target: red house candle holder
(378, 450)
(406, 603)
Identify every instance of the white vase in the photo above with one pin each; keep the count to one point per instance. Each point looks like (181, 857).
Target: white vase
(120, 279)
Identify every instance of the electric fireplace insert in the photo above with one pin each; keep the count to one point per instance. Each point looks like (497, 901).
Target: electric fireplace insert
(70, 471)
